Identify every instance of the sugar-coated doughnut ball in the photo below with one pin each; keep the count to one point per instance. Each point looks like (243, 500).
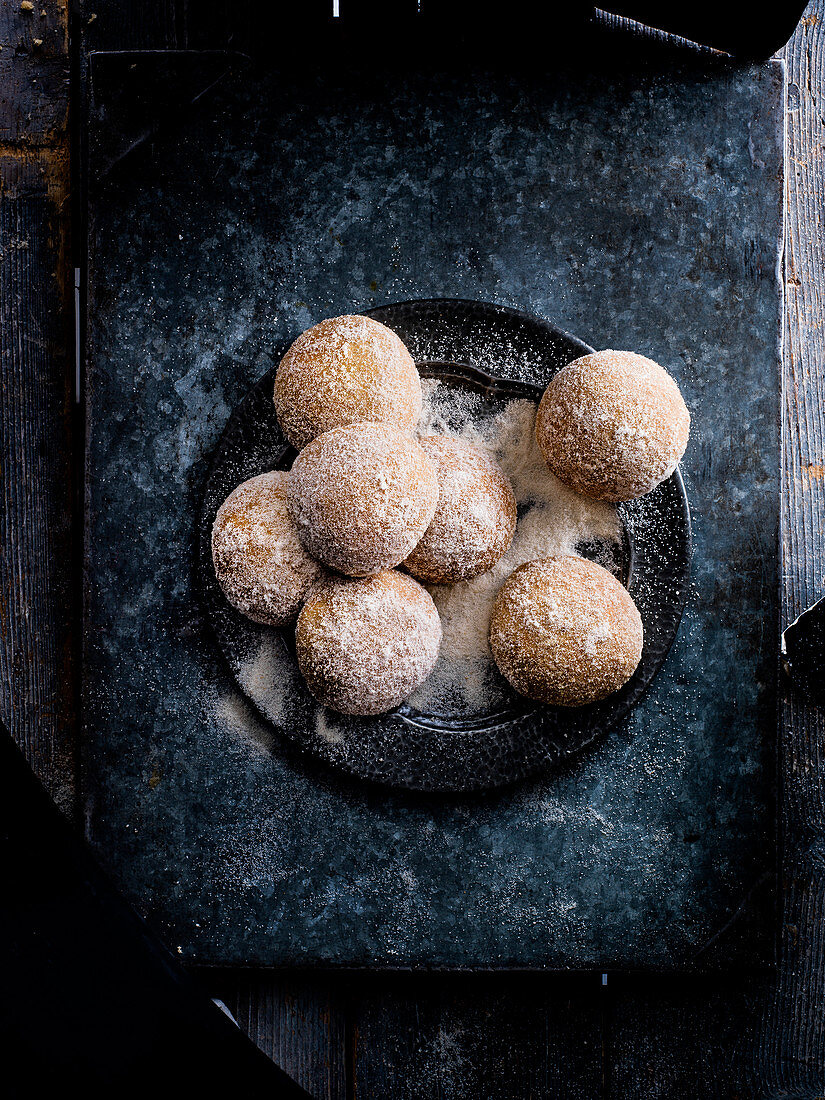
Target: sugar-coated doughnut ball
(343, 370)
(612, 425)
(361, 497)
(365, 645)
(475, 520)
(260, 562)
(564, 631)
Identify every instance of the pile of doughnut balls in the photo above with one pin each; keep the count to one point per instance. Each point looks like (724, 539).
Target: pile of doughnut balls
(369, 510)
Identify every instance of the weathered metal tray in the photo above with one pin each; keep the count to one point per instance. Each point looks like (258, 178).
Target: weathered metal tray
(611, 203)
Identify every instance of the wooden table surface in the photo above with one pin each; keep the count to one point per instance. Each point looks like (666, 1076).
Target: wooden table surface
(397, 1035)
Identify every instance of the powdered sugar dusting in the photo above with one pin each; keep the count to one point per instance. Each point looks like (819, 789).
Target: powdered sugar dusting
(259, 560)
(361, 497)
(365, 645)
(271, 678)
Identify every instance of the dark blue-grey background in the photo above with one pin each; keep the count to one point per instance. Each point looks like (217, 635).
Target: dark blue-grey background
(634, 210)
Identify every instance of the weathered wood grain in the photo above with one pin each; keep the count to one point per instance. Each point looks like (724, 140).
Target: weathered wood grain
(463, 1037)
(683, 1039)
(298, 1020)
(791, 1050)
(126, 25)
(38, 580)
(219, 24)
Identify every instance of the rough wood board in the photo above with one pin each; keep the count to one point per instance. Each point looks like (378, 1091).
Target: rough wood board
(474, 1037)
(793, 1041)
(38, 586)
(300, 1020)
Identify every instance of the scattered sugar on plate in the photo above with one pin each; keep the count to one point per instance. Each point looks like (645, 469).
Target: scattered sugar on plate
(271, 678)
(552, 520)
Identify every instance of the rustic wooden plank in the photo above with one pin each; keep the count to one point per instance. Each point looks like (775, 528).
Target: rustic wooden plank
(299, 1020)
(681, 1039)
(219, 24)
(126, 25)
(462, 1037)
(792, 1043)
(39, 590)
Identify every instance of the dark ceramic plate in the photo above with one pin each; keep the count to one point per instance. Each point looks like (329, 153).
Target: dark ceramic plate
(499, 354)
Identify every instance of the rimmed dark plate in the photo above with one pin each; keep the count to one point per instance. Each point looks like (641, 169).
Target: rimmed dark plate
(499, 354)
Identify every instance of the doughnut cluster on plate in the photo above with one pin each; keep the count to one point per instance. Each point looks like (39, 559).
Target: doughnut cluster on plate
(369, 513)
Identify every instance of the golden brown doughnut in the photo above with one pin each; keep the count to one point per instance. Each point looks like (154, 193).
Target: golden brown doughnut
(612, 425)
(365, 645)
(361, 497)
(260, 563)
(564, 631)
(341, 371)
(475, 520)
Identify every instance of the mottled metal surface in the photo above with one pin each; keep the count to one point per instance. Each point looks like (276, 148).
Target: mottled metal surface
(634, 211)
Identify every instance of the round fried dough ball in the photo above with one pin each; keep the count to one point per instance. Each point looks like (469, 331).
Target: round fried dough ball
(475, 520)
(343, 370)
(260, 562)
(564, 631)
(612, 425)
(361, 497)
(365, 645)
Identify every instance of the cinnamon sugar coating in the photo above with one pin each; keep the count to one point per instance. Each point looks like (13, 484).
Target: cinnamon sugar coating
(475, 520)
(364, 645)
(361, 497)
(564, 631)
(343, 370)
(260, 563)
(612, 425)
